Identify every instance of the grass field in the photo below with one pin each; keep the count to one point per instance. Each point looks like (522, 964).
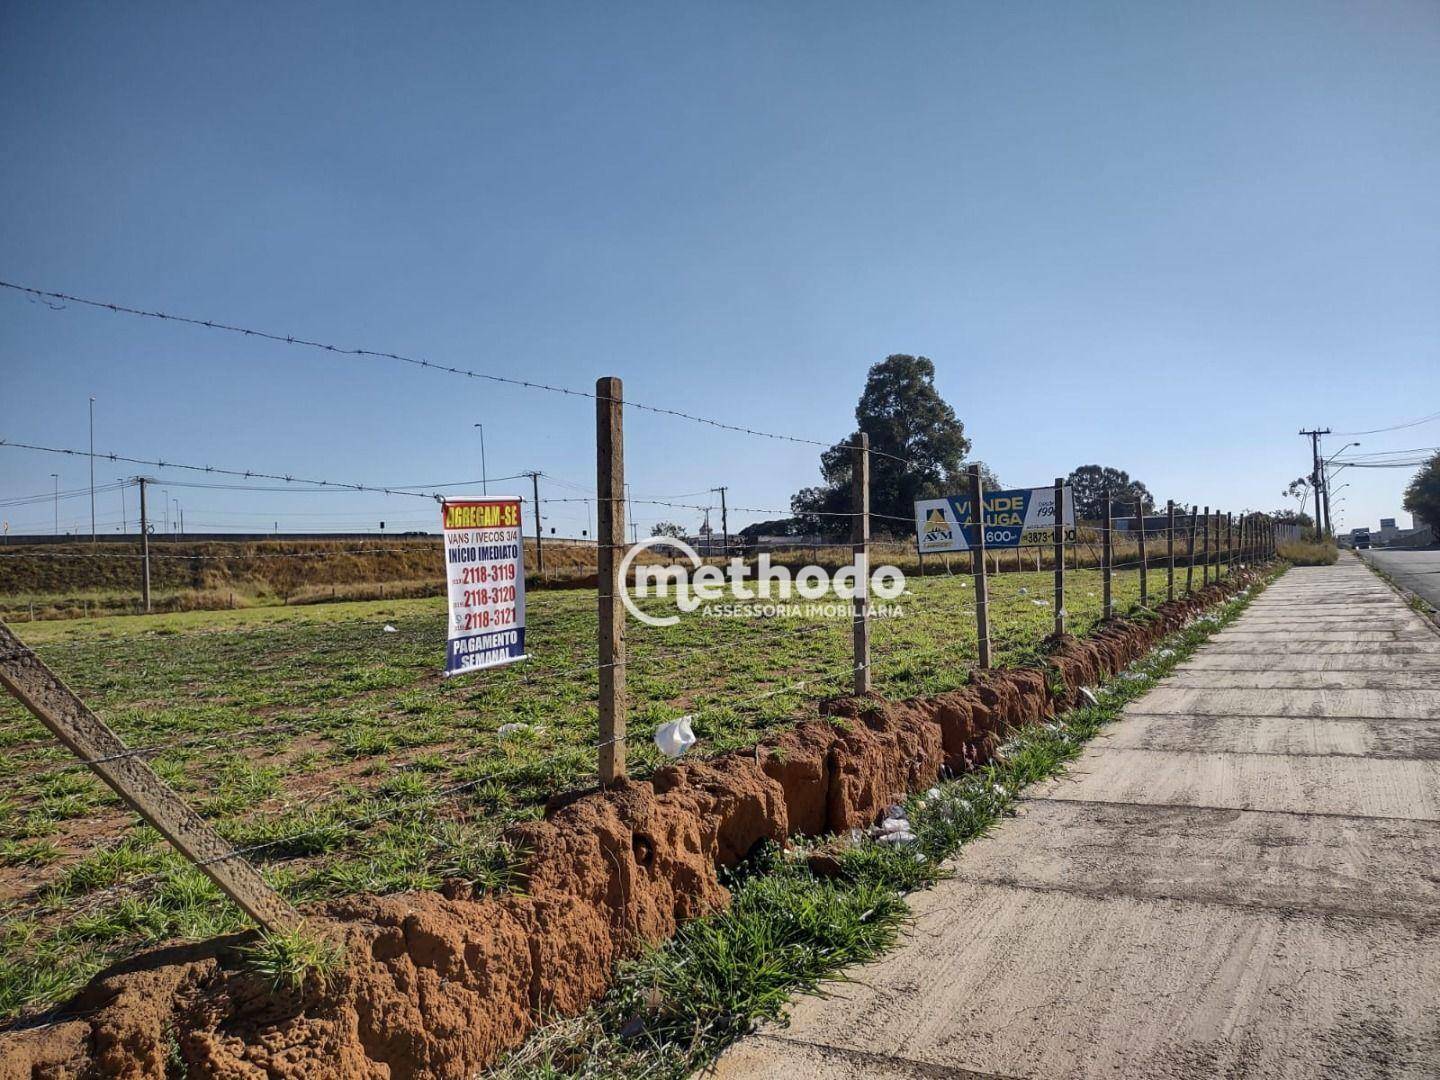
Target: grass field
(338, 747)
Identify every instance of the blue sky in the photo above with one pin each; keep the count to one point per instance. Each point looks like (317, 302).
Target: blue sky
(1157, 236)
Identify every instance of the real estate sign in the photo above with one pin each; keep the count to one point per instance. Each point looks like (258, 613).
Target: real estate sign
(485, 571)
(1012, 518)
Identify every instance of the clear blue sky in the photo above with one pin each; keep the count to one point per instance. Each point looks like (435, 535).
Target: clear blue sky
(1157, 236)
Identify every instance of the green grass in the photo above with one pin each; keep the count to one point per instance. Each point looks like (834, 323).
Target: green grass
(339, 753)
(1309, 553)
(676, 1007)
(288, 959)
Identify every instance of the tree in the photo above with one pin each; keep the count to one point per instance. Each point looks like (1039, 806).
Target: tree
(917, 451)
(668, 528)
(1293, 517)
(775, 527)
(1088, 484)
(1422, 496)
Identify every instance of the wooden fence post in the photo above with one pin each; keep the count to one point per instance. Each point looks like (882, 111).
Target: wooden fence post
(1059, 556)
(1107, 555)
(1190, 552)
(610, 537)
(860, 547)
(86, 736)
(1229, 543)
(1144, 562)
(1205, 550)
(982, 599)
(1170, 549)
(1216, 556)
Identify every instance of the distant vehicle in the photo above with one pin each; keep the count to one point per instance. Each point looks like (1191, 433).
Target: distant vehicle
(1361, 538)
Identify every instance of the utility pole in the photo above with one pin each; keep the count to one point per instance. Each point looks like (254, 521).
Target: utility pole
(1317, 481)
(92, 469)
(56, 477)
(124, 519)
(144, 546)
(539, 533)
(725, 519)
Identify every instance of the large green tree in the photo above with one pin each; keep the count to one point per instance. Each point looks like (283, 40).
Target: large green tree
(1088, 484)
(918, 451)
(1422, 496)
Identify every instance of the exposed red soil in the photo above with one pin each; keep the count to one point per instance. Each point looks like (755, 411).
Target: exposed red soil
(441, 984)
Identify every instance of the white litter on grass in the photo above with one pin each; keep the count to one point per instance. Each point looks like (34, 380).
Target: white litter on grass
(1040, 603)
(1024, 591)
(902, 837)
(1089, 695)
(389, 629)
(964, 584)
(506, 730)
(1134, 676)
(1164, 654)
(675, 738)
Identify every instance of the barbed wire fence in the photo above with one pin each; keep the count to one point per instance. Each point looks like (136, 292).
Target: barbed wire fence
(841, 662)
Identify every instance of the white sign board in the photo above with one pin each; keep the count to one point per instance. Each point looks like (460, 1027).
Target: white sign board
(1012, 518)
(485, 571)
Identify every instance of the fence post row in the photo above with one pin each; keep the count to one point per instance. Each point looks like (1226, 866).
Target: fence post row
(1107, 555)
(1144, 578)
(610, 538)
(860, 546)
(1059, 556)
(86, 736)
(977, 565)
(1170, 549)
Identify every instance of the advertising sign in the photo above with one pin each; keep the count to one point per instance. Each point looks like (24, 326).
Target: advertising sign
(485, 569)
(1012, 518)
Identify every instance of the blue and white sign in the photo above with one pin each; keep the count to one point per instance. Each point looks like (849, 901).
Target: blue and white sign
(1012, 518)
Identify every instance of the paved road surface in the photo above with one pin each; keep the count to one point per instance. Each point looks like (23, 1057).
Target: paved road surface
(1239, 879)
(1418, 571)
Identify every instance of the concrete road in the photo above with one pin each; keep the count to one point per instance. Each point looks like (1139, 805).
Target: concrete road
(1418, 571)
(1241, 878)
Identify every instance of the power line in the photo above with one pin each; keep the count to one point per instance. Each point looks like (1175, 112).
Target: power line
(291, 339)
(245, 473)
(1393, 427)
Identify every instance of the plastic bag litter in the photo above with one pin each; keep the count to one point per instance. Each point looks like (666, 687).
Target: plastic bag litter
(388, 629)
(1040, 603)
(675, 738)
(505, 730)
(1089, 695)
(904, 836)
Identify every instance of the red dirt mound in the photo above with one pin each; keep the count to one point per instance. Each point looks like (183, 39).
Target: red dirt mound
(440, 984)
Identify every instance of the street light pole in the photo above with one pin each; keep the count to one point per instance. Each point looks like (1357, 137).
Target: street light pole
(56, 477)
(92, 468)
(484, 484)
